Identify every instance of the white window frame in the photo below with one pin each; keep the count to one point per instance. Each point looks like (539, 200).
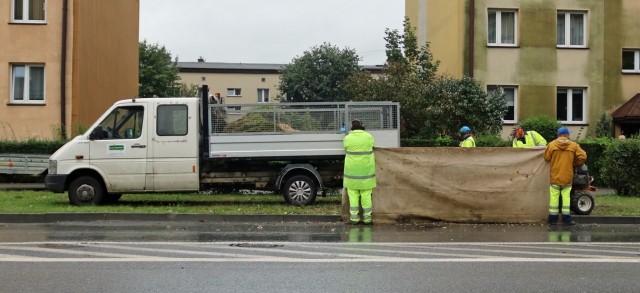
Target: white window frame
(567, 29)
(25, 12)
(498, 28)
(515, 100)
(262, 94)
(636, 61)
(27, 88)
(570, 105)
(234, 92)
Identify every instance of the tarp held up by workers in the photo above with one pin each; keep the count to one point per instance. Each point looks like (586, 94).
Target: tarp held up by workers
(475, 185)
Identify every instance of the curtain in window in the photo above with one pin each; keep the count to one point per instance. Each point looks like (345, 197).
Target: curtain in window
(492, 27)
(577, 29)
(508, 27)
(560, 29)
(18, 82)
(36, 9)
(509, 95)
(36, 83)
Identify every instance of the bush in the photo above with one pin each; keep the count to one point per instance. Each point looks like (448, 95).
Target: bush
(595, 147)
(30, 146)
(491, 141)
(546, 126)
(619, 167)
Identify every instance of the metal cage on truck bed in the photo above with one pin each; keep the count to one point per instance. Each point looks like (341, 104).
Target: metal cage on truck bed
(296, 129)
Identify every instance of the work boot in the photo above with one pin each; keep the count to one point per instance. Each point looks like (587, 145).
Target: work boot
(553, 219)
(368, 223)
(566, 220)
(354, 223)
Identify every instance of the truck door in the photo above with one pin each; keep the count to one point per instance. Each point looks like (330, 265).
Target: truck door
(174, 146)
(119, 148)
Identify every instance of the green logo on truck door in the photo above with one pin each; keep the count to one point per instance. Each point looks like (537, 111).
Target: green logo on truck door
(116, 150)
(116, 147)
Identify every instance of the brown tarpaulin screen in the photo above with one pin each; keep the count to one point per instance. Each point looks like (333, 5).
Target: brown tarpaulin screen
(478, 185)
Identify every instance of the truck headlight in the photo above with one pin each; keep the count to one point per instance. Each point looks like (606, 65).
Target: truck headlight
(53, 167)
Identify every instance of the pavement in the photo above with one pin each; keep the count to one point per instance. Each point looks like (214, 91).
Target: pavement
(64, 217)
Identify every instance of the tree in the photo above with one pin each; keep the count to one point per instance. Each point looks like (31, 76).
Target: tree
(158, 73)
(456, 102)
(405, 79)
(320, 74)
(432, 106)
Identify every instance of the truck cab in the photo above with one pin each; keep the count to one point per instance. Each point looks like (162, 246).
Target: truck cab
(138, 145)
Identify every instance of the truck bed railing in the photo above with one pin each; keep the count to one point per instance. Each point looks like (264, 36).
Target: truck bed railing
(292, 118)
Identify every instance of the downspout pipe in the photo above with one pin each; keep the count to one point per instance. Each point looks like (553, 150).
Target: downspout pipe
(472, 10)
(63, 70)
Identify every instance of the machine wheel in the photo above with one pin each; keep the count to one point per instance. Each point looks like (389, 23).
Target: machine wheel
(110, 198)
(582, 203)
(86, 190)
(300, 190)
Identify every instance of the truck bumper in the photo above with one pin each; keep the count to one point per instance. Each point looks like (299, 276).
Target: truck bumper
(55, 183)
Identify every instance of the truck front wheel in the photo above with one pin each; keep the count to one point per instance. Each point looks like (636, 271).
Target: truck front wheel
(300, 190)
(85, 190)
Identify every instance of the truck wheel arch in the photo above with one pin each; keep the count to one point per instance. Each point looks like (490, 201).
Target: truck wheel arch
(84, 172)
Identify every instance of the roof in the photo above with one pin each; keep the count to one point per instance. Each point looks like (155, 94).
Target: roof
(221, 67)
(629, 110)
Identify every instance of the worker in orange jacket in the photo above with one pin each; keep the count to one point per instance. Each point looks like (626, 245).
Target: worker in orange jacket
(563, 154)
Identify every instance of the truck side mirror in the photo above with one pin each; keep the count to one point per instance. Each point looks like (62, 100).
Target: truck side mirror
(97, 133)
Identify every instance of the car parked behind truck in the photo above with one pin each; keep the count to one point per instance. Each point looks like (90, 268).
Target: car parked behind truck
(149, 145)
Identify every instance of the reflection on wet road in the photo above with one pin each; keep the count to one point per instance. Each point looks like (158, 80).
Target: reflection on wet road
(129, 231)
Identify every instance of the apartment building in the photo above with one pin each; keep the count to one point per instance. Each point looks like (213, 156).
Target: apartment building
(240, 83)
(571, 60)
(63, 62)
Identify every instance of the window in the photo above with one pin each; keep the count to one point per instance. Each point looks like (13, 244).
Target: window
(29, 11)
(263, 95)
(27, 84)
(122, 123)
(571, 29)
(631, 61)
(510, 96)
(571, 105)
(502, 28)
(172, 120)
(233, 93)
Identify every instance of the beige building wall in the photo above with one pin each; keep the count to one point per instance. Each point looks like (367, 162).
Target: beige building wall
(249, 83)
(31, 44)
(535, 65)
(442, 23)
(101, 65)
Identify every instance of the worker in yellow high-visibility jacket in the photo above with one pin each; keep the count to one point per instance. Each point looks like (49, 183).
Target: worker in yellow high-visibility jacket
(467, 135)
(359, 172)
(526, 139)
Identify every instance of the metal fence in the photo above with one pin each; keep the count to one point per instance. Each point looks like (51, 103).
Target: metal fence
(286, 118)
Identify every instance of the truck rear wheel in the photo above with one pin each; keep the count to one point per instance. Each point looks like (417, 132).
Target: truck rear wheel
(86, 190)
(300, 190)
(582, 203)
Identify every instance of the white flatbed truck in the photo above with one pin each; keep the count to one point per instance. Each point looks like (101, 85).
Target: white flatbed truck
(159, 145)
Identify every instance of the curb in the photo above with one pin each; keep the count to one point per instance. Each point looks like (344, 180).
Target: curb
(89, 217)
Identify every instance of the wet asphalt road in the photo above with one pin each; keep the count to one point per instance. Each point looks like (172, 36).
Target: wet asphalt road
(167, 231)
(149, 256)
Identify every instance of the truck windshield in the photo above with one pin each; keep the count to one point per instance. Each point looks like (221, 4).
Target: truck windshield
(123, 123)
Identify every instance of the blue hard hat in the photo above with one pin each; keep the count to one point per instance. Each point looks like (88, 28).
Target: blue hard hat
(465, 129)
(563, 130)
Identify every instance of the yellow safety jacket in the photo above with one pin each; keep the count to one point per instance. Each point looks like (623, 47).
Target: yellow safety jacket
(359, 162)
(531, 139)
(468, 142)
